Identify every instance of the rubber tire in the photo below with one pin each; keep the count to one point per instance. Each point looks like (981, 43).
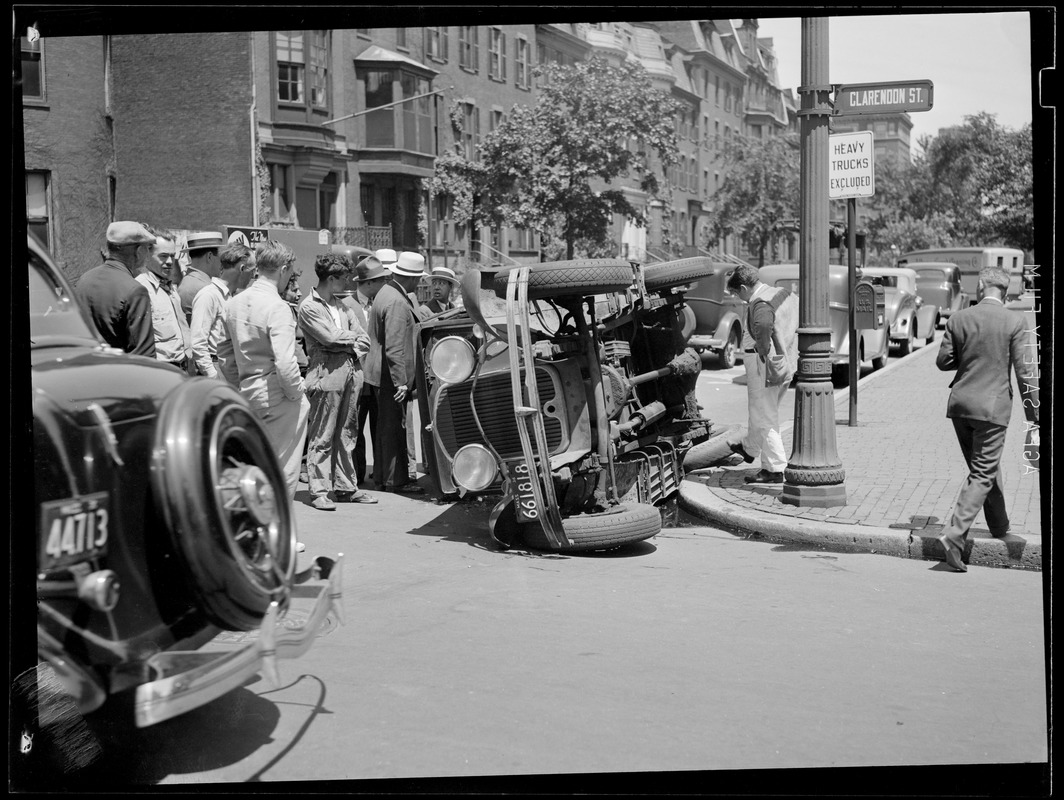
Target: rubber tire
(726, 360)
(879, 363)
(687, 321)
(676, 273)
(233, 591)
(906, 346)
(621, 525)
(580, 277)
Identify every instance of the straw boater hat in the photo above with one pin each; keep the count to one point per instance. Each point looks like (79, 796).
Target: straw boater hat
(386, 256)
(410, 265)
(204, 240)
(443, 273)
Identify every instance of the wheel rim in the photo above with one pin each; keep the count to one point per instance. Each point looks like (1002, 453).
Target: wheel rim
(729, 350)
(253, 519)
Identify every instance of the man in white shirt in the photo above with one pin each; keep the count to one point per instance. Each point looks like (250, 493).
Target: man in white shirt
(173, 340)
(208, 307)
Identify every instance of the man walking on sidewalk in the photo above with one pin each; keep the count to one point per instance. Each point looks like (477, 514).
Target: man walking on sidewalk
(769, 310)
(984, 343)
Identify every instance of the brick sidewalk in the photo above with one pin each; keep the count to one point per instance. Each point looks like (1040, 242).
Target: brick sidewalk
(903, 465)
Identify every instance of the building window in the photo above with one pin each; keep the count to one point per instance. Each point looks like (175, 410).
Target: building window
(280, 191)
(319, 68)
(470, 131)
(290, 66)
(327, 201)
(716, 91)
(436, 42)
(32, 69)
(497, 54)
(365, 192)
(523, 239)
(417, 114)
(494, 120)
(37, 215)
(380, 125)
(400, 39)
(468, 48)
(522, 64)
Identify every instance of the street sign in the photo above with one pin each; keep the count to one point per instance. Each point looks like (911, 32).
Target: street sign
(249, 237)
(854, 99)
(851, 165)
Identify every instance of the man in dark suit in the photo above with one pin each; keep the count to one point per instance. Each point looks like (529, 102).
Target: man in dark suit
(390, 367)
(121, 307)
(984, 343)
(441, 282)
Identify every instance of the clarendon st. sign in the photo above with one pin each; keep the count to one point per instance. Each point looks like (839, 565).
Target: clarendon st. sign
(853, 99)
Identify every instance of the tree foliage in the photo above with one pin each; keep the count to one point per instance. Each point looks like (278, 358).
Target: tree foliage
(972, 185)
(551, 167)
(760, 190)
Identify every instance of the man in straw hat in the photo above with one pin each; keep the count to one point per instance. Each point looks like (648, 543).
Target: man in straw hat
(441, 283)
(121, 307)
(390, 368)
(203, 249)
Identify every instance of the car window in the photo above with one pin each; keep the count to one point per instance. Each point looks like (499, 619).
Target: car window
(53, 310)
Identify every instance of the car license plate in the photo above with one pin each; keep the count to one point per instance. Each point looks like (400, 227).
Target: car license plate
(74, 530)
(521, 478)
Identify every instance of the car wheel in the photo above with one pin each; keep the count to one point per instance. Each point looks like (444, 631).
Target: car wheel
(676, 273)
(906, 345)
(880, 362)
(615, 527)
(225, 503)
(727, 357)
(685, 319)
(580, 277)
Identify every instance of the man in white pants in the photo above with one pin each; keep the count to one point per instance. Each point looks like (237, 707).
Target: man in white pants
(779, 312)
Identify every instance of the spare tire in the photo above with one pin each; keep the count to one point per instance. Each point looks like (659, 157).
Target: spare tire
(619, 525)
(224, 499)
(676, 273)
(579, 277)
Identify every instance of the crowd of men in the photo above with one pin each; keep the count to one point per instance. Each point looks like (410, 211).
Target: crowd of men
(314, 370)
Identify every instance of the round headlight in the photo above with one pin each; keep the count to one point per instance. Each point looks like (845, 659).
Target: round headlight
(452, 359)
(474, 468)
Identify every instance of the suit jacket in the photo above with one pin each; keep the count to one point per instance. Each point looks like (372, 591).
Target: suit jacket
(984, 343)
(333, 353)
(120, 307)
(433, 307)
(391, 320)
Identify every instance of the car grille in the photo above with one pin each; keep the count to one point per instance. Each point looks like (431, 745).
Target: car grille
(457, 426)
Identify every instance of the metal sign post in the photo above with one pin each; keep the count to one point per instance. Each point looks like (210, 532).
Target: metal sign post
(851, 257)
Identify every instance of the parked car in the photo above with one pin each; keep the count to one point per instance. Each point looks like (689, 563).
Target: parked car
(579, 413)
(873, 345)
(719, 314)
(970, 260)
(939, 283)
(162, 519)
(908, 316)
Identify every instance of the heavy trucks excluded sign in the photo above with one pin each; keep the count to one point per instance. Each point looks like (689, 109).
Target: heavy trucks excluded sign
(851, 165)
(892, 97)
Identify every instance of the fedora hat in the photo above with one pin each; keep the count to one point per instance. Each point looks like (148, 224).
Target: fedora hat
(387, 256)
(410, 265)
(127, 232)
(374, 269)
(204, 240)
(443, 273)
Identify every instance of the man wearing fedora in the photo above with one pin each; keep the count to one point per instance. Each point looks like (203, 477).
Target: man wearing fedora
(370, 275)
(336, 347)
(121, 307)
(390, 368)
(203, 249)
(441, 283)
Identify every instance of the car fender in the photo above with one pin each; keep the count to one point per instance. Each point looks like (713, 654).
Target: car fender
(925, 319)
(729, 320)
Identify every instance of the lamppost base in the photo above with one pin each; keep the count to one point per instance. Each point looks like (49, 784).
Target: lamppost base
(815, 496)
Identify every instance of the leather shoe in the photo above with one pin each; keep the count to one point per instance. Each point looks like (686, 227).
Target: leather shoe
(354, 497)
(323, 503)
(737, 447)
(764, 476)
(953, 554)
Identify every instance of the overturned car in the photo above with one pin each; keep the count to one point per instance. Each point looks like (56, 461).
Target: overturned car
(576, 402)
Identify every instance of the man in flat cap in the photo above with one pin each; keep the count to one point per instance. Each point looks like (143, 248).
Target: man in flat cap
(121, 307)
(203, 253)
(390, 368)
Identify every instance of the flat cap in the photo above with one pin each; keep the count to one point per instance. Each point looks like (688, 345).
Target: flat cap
(204, 240)
(127, 232)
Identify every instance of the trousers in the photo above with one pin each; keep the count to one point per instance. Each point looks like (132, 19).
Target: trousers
(982, 444)
(367, 410)
(286, 425)
(763, 405)
(332, 432)
(391, 465)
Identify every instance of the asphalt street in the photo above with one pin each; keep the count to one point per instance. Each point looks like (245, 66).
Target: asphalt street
(694, 651)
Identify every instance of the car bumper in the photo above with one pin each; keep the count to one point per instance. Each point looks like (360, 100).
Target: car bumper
(706, 342)
(189, 679)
